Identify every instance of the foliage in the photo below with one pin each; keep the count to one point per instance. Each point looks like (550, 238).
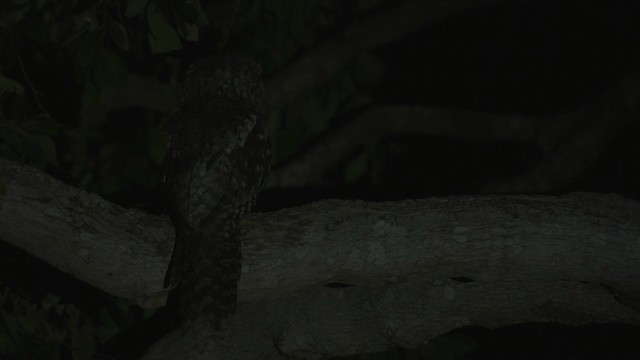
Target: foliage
(61, 57)
(51, 329)
(60, 60)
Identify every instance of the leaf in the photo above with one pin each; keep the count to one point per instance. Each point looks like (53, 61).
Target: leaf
(30, 148)
(90, 92)
(29, 321)
(84, 22)
(162, 36)
(10, 86)
(135, 7)
(23, 143)
(108, 326)
(148, 313)
(109, 69)
(368, 69)
(110, 184)
(49, 301)
(187, 11)
(87, 49)
(202, 19)
(188, 31)
(7, 342)
(9, 133)
(119, 34)
(157, 146)
(356, 168)
(41, 126)
(49, 152)
(83, 341)
(300, 28)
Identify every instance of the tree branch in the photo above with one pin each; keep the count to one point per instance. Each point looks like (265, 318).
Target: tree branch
(317, 66)
(321, 63)
(571, 142)
(379, 122)
(125, 252)
(571, 150)
(416, 268)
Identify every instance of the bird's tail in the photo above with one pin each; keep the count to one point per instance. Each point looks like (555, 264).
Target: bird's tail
(209, 272)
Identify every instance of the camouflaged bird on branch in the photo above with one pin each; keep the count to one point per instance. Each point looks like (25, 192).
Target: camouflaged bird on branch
(217, 161)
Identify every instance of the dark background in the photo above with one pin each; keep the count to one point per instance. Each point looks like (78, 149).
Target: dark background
(515, 57)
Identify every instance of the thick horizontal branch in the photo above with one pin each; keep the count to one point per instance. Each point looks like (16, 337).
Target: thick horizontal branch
(487, 238)
(582, 237)
(124, 252)
(413, 269)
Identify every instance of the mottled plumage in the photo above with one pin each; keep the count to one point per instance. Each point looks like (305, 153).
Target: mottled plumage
(217, 161)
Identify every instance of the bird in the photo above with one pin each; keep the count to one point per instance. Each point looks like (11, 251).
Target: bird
(217, 160)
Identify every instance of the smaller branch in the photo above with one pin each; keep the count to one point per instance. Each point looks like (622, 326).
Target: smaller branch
(571, 150)
(323, 62)
(387, 120)
(572, 141)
